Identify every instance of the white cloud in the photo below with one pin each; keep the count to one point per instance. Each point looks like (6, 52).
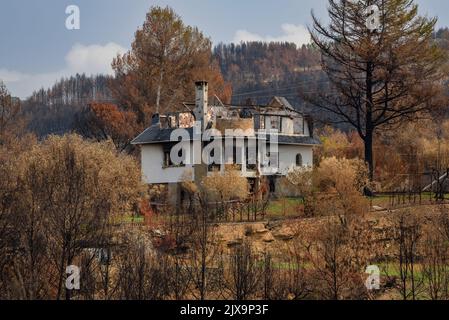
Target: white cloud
(297, 34)
(10, 76)
(91, 59)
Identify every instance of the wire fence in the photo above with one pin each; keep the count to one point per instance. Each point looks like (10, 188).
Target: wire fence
(399, 199)
(257, 209)
(251, 210)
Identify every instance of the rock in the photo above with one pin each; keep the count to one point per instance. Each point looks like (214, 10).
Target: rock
(268, 238)
(283, 235)
(235, 242)
(273, 225)
(378, 209)
(262, 231)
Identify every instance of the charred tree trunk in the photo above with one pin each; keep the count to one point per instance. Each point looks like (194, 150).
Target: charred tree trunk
(369, 128)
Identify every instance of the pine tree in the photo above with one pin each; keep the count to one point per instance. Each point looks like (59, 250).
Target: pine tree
(382, 64)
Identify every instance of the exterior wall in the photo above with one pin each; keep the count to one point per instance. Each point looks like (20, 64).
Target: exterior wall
(287, 157)
(287, 161)
(153, 170)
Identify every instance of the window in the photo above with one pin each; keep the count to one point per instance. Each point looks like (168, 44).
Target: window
(287, 125)
(172, 122)
(164, 122)
(237, 156)
(262, 122)
(299, 160)
(168, 162)
(167, 159)
(298, 126)
(213, 166)
(267, 125)
(275, 123)
(251, 159)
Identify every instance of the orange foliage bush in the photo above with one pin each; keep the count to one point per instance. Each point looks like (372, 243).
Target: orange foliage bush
(104, 121)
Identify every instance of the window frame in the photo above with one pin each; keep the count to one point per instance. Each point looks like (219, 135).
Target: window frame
(299, 160)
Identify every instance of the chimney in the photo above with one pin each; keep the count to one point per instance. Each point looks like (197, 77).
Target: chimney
(155, 120)
(201, 103)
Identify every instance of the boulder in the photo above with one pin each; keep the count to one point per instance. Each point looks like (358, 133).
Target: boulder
(262, 231)
(378, 209)
(273, 225)
(268, 238)
(283, 235)
(235, 242)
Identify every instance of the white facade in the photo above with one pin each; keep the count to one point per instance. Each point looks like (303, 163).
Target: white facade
(288, 155)
(154, 170)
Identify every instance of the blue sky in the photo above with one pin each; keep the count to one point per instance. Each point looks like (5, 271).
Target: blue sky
(36, 48)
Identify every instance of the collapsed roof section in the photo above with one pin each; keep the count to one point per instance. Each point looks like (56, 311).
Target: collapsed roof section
(292, 126)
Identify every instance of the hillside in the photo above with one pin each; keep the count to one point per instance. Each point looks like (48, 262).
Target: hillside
(54, 110)
(258, 70)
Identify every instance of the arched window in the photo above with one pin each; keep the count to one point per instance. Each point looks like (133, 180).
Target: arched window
(299, 160)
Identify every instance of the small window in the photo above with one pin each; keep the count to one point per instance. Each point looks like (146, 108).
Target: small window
(167, 159)
(172, 122)
(213, 166)
(267, 123)
(287, 125)
(298, 126)
(251, 160)
(299, 160)
(164, 122)
(262, 122)
(275, 123)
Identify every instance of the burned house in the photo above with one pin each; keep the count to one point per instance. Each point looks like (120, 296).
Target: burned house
(276, 123)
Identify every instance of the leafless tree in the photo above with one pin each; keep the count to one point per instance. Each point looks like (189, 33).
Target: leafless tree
(408, 234)
(336, 265)
(140, 274)
(244, 274)
(288, 279)
(204, 250)
(435, 271)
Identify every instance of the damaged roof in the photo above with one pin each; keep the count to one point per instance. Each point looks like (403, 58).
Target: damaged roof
(160, 134)
(155, 135)
(299, 140)
(281, 102)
